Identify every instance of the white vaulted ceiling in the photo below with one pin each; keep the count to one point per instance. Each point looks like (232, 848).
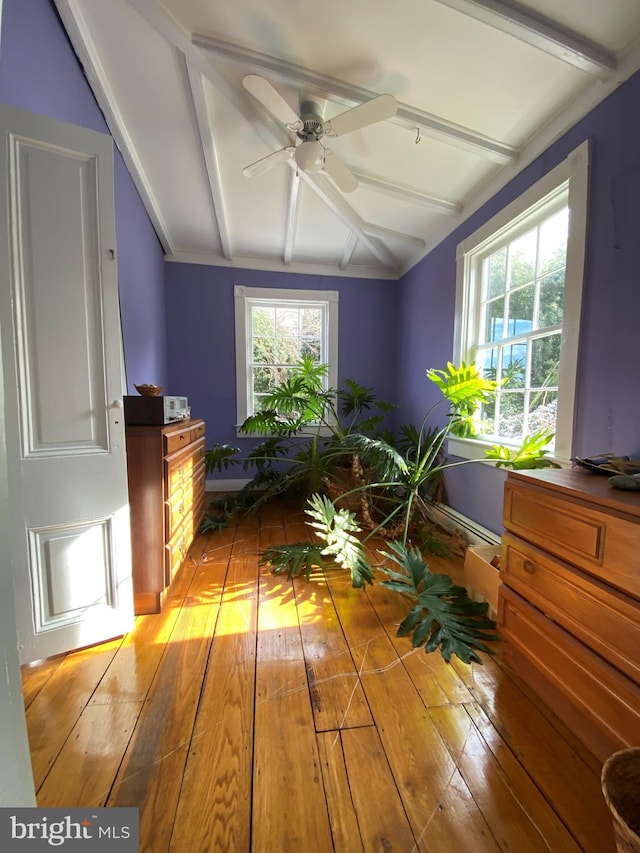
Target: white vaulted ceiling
(483, 86)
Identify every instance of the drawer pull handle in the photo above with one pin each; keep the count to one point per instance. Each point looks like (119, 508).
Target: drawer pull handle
(529, 566)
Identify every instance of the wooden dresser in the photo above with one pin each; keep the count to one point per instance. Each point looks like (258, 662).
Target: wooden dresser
(166, 471)
(569, 604)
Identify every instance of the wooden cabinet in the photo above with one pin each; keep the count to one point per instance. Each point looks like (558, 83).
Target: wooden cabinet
(569, 604)
(166, 471)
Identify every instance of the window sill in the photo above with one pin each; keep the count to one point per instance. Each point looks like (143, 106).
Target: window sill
(474, 449)
(323, 432)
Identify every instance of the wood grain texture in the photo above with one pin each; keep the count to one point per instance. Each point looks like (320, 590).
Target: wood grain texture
(286, 760)
(204, 719)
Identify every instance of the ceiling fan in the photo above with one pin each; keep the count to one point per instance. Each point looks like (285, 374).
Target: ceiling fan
(309, 152)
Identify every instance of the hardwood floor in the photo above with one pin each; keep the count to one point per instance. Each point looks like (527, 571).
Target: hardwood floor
(258, 714)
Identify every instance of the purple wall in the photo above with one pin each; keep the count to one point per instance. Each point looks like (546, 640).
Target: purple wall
(202, 350)
(39, 72)
(608, 402)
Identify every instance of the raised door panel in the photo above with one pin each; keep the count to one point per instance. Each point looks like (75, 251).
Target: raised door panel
(62, 363)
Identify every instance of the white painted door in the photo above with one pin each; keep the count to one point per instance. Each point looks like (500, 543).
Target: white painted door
(64, 381)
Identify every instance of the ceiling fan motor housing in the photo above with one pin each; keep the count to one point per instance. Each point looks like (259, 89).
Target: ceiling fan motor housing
(312, 123)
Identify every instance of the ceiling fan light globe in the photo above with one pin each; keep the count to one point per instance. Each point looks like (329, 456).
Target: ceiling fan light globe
(310, 156)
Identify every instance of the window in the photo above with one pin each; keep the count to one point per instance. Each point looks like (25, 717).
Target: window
(274, 329)
(518, 299)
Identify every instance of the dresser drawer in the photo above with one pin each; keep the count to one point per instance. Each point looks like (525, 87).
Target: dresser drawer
(605, 620)
(197, 431)
(595, 700)
(175, 511)
(184, 466)
(604, 544)
(178, 548)
(177, 438)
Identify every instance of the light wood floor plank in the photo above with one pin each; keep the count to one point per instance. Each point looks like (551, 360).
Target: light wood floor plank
(214, 810)
(57, 707)
(36, 675)
(151, 772)
(441, 811)
(453, 757)
(286, 761)
(342, 813)
(526, 827)
(382, 819)
(88, 762)
(571, 786)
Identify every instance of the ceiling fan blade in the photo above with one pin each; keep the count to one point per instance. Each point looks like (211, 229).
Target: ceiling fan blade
(268, 162)
(270, 98)
(378, 109)
(337, 169)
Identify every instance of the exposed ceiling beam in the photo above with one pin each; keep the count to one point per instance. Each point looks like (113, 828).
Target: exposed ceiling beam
(78, 33)
(334, 201)
(275, 136)
(379, 231)
(349, 95)
(347, 252)
(540, 32)
(210, 154)
(403, 192)
(291, 216)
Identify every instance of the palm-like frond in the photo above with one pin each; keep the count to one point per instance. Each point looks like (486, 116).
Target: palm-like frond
(220, 457)
(444, 616)
(337, 529)
(530, 453)
(463, 386)
(379, 455)
(293, 559)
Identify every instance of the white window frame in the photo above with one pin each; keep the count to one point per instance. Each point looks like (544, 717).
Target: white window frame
(244, 297)
(569, 179)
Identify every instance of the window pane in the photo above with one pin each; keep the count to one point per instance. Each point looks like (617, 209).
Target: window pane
(551, 300)
(522, 259)
(514, 363)
(287, 350)
(263, 349)
(263, 321)
(494, 320)
(497, 273)
(311, 349)
(489, 363)
(545, 361)
(264, 379)
(311, 322)
(511, 414)
(521, 305)
(553, 242)
(487, 417)
(543, 409)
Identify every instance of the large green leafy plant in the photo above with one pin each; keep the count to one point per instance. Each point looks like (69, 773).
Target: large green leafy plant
(314, 430)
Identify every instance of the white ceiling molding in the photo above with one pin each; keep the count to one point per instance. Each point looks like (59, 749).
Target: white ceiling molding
(540, 32)
(291, 216)
(349, 95)
(85, 50)
(210, 154)
(404, 192)
(249, 262)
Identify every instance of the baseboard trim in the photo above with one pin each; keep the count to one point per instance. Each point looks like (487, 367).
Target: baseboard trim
(225, 485)
(453, 521)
